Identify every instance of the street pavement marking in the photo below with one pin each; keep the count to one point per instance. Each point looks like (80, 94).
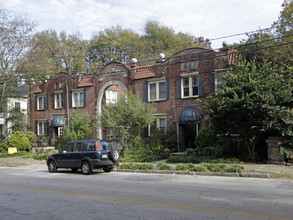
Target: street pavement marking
(156, 203)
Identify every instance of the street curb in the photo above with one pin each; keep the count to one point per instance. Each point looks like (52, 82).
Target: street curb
(192, 173)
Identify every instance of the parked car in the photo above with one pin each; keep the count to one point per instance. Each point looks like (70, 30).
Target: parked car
(85, 155)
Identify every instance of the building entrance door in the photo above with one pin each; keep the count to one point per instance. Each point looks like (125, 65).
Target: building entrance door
(187, 135)
(188, 122)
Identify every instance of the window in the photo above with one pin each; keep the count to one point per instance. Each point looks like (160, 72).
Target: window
(189, 86)
(111, 97)
(60, 131)
(78, 98)
(78, 147)
(41, 102)
(58, 100)
(17, 105)
(160, 122)
(41, 128)
(68, 148)
(157, 91)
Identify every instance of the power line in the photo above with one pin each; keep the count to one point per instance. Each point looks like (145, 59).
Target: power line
(169, 64)
(191, 44)
(200, 51)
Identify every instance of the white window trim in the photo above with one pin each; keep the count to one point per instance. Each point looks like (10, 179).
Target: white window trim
(60, 131)
(189, 75)
(157, 82)
(43, 96)
(44, 123)
(60, 94)
(157, 121)
(79, 101)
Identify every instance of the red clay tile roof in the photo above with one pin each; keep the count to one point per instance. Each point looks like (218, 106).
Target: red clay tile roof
(86, 81)
(144, 72)
(36, 89)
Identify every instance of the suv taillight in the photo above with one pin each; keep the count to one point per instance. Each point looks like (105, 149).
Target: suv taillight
(96, 146)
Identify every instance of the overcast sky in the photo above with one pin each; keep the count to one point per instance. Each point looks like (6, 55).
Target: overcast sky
(207, 18)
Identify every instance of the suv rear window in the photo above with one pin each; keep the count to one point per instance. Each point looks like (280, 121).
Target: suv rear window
(105, 146)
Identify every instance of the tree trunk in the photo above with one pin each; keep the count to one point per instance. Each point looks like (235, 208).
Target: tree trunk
(2, 93)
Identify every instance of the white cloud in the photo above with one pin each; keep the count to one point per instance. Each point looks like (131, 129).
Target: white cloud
(208, 18)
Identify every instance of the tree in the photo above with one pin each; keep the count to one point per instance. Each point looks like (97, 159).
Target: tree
(52, 52)
(284, 24)
(15, 34)
(158, 38)
(274, 44)
(113, 44)
(125, 120)
(254, 99)
(17, 120)
(80, 128)
(117, 44)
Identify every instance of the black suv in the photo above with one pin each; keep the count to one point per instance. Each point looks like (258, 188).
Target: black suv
(86, 155)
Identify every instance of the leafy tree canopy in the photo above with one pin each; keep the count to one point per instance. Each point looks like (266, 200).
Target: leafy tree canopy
(254, 98)
(123, 44)
(53, 52)
(15, 34)
(284, 24)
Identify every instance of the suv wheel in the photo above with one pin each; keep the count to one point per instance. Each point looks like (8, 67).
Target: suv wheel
(86, 168)
(108, 169)
(52, 167)
(114, 155)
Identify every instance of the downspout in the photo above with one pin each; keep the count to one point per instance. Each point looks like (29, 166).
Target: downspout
(67, 103)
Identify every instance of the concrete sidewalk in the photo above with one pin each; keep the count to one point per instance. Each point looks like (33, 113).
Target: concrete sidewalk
(248, 167)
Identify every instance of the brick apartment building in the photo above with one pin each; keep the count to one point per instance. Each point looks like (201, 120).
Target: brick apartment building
(173, 85)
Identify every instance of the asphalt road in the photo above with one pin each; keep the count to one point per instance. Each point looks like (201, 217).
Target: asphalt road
(33, 193)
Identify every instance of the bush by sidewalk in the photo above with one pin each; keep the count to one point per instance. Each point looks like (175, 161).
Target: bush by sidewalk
(203, 167)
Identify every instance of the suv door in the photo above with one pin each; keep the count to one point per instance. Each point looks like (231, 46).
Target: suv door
(64, 157)
(76, 156)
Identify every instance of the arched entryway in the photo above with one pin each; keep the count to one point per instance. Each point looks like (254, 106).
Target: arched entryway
(188, 122)
(100, 99)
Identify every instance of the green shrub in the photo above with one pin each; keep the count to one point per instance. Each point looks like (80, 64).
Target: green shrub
(185, 167)
(147, 166)
(234, 169)
(190, 151)
(20, 141)
(200, 168)
(125, 166)
(205, 139)
(4, 146)
(32, 137)
(164, 166)
(137, 166)
(181, 167)
(200, 159)
(190, 167)
(139, 151)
